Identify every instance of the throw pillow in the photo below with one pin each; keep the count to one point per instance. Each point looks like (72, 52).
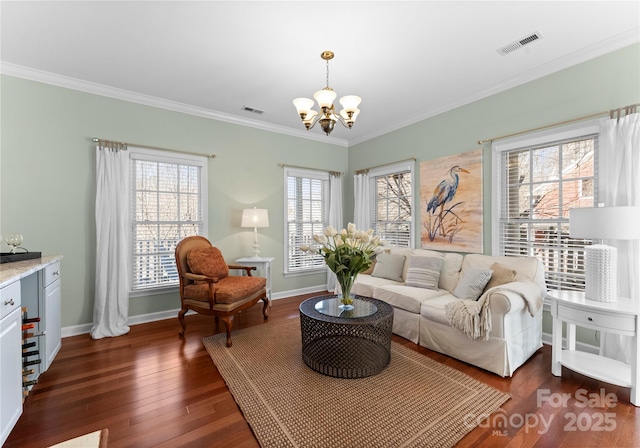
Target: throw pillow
(501, 275)
(207, 261)
(424, 272)
(389, 266)
(472, 283)
(370, 270)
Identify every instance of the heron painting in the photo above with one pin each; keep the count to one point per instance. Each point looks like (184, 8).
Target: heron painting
(451, 197)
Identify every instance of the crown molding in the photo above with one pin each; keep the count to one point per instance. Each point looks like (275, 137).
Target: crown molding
(67, 82)
(607, 46)
(600, 49)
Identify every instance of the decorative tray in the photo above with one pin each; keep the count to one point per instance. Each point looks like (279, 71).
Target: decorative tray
(7, 257)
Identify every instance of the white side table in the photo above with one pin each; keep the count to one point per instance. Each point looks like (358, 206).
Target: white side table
(263, 265)
(621, 317)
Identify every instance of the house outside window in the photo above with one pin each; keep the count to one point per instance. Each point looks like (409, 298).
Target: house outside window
(306, 214)
(168, 203)
(392, 203)
(537, 179)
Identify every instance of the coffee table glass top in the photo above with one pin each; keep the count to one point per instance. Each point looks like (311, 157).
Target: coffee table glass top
(361, 308)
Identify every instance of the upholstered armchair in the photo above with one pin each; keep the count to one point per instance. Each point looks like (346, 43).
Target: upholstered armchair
(207, 288)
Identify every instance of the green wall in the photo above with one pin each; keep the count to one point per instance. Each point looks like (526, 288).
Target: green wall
(47, 180)
(604, 83)
(47, 165)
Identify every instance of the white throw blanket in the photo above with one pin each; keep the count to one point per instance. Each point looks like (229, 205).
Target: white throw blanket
(473, 317)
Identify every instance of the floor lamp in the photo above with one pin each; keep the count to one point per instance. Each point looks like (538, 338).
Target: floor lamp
(255, 217)
(601, 261)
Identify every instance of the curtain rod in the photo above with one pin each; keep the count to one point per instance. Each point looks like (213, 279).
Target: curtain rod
(366, 170)
(586, 117)
(213, 156)
(334, 173)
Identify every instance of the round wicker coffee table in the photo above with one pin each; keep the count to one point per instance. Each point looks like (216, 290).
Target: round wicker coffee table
(346, 344)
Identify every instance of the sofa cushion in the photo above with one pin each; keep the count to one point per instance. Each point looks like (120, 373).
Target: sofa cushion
(424, 272)
(434, 309)
(389, 266)
(472, 283)
(405, 297)
(501, 275)
(365, 284)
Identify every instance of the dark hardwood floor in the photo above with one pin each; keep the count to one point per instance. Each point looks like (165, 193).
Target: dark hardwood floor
(151, 388)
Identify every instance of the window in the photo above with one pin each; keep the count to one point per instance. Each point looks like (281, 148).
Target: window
(307, 211)
(168, 203)
(392, 206)
(538, 180)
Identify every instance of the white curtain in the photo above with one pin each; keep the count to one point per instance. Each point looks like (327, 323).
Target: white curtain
(111, 306)
(335, 218)
(620, 186)
(361, 211)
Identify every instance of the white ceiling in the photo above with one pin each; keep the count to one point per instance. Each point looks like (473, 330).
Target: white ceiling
(407, 60)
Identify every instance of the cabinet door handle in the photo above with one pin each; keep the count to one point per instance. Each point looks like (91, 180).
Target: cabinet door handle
(56, 272)
(9, 302)
(590, 319)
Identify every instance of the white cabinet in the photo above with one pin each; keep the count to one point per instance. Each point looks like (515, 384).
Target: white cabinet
(10, 359)
(35, 285)
(50, 313)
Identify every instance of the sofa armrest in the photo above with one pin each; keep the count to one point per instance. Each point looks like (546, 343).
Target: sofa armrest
(519, 294)
(502, 301)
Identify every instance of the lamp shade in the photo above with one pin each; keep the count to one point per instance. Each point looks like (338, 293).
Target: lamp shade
(350, 102)
(303, 105)
(614, 223)
(325, 97)
(255, 217)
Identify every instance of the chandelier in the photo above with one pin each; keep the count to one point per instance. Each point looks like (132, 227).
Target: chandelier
(327, 117)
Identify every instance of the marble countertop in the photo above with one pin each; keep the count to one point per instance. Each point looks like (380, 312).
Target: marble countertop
(10, 272)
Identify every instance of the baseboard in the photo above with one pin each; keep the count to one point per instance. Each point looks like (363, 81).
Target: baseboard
(76, 330)
(298, 292)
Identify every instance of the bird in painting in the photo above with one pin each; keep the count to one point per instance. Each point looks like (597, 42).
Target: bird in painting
(444, 192)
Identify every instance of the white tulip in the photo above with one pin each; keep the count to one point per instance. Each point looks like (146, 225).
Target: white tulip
(344, 233)
(330, 231)
(351, 227)
(304, 247)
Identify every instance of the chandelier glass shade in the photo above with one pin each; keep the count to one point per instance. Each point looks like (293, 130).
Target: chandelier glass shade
(327, 116)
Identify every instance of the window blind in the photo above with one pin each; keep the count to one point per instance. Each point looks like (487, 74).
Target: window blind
(307, 205)
(392, 204)
(539, 184)
(167, 205)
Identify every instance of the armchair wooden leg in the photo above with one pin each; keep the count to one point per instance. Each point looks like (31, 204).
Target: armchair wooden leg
(228, 323)
(183, 324)
(265, 308)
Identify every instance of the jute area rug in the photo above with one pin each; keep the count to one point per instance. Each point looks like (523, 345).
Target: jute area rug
(414, 402)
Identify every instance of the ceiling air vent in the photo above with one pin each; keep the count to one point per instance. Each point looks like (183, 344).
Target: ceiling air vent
(513, 46)
(252, 109)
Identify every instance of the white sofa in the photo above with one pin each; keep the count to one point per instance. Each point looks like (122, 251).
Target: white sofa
(420, 314)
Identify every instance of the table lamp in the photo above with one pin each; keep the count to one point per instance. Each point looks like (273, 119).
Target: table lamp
(255, 217)
(601, 261)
